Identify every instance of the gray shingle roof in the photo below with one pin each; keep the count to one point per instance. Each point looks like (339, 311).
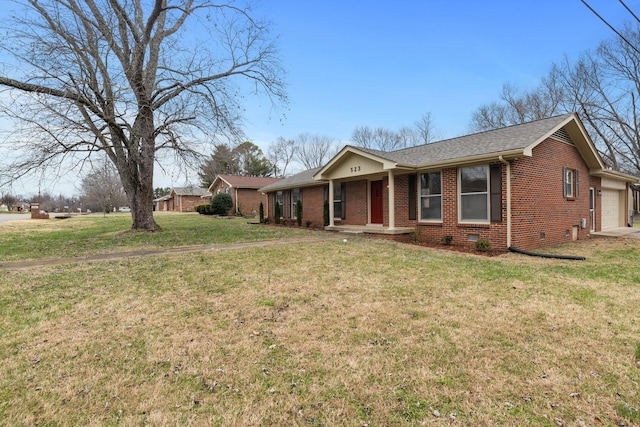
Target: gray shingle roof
(191, 191)
(301, 179)
(517, 137)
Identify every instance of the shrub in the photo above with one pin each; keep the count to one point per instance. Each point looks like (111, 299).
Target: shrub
(483, 245)
(447, 240)
(221, 203)
(326, 213)
(203, 209)
(276, 213)
(299, 212)
(308, 223)
(261, 213)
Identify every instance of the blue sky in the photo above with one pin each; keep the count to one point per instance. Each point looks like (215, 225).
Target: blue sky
(383, 63)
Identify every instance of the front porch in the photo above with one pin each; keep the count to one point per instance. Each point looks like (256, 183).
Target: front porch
(369, 229)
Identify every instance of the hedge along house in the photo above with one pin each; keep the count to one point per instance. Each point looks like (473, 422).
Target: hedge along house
(243, 190)
(527, 186)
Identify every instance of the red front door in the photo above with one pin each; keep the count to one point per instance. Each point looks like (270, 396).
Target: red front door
(376, 202)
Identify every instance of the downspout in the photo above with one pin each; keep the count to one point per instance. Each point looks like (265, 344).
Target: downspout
(502, 160)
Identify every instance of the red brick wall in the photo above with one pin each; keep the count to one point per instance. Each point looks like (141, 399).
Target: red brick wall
(541, 216)
(248, 200)
(494, 232)
(312, 205)
(356, 199)
(187, 203)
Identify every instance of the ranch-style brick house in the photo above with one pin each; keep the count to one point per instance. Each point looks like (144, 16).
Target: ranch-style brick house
(182, 199)
(526, 186)
(243, 190)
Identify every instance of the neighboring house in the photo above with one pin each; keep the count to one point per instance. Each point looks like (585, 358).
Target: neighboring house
(162, 203)
(182, 199)
(243, 190)
(527, 186)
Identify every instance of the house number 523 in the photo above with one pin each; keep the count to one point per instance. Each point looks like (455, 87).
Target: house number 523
(355, 169)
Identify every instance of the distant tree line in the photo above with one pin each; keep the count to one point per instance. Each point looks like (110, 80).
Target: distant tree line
(601, 85)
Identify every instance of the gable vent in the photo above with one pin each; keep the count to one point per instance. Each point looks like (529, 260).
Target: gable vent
(562, 135)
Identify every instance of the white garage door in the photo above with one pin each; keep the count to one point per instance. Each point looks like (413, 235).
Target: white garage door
(610, 208)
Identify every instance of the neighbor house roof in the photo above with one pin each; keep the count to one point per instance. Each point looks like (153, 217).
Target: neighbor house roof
(302, 179)
(239, 181)
(189, 191)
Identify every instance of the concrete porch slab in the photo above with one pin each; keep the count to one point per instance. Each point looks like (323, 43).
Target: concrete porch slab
(617, 232)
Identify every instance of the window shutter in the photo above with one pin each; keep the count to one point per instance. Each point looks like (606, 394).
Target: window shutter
(413, 195)
(495, 195)
(575, 190)
(564, 181)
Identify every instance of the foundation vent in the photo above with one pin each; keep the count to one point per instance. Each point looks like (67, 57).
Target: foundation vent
(562, 135)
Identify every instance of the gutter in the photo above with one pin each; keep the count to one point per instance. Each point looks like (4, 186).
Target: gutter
(502, 160)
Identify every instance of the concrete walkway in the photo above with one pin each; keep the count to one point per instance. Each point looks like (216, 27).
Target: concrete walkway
(618, 232)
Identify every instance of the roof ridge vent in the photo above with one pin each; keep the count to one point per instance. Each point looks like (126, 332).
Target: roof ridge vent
(563, 136)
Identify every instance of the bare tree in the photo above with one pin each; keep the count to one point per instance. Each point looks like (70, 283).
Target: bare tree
(422, 132)
(102, 190)
(314, 151)
(132, 79)
(9, 200)
(281, 153)
(516, 107)
(425, 130)
(378, 139)
(604, 87)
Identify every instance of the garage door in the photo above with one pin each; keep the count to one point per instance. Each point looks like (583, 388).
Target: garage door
(610, 208)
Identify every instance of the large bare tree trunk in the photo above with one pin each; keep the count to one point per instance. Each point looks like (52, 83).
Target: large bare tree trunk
(119, 77)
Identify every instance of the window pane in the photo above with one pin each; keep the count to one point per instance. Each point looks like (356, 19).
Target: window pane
(431, 207)
(474, 207)
(430, 183)
(337, 191)
(473, 179)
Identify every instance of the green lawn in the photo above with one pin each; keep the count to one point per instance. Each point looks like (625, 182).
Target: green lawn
(363, 332)
(94, 234)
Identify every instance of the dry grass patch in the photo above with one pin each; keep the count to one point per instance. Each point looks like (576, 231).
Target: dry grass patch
(367, 332)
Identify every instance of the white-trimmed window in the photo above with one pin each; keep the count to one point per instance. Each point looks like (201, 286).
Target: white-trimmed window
(570, 181)
(431, 196)
(295, 196)
(474, 193)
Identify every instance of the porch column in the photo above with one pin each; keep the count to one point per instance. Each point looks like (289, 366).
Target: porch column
(331, 223)
(392, 201)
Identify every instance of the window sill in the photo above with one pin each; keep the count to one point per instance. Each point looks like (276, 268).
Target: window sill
(570, 199)
(474, 224)
(430, 223)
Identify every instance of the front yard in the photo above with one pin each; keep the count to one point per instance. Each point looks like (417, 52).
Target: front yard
(362, 332)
